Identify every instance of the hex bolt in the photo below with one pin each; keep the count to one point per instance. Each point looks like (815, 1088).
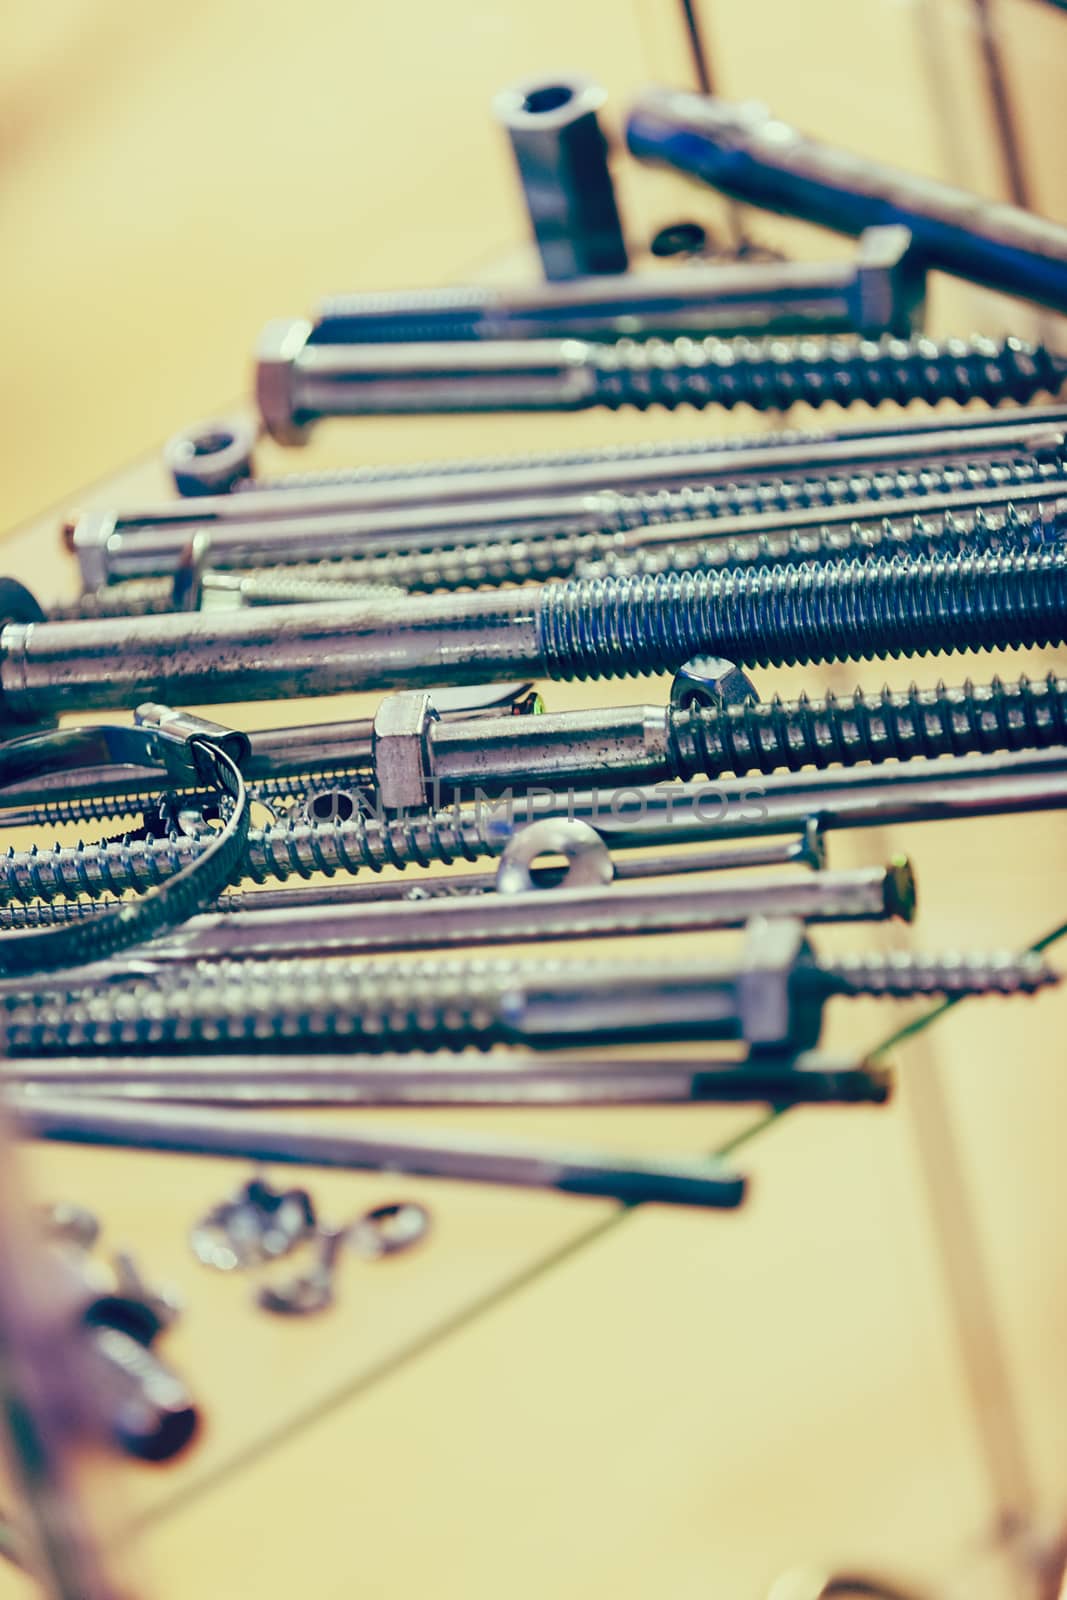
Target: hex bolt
(745, 151)
(562, 158)
(773, 996)
(584, 628)
(880, 291)
(298, 382)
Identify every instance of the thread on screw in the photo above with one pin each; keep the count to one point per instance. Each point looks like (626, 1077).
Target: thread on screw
(766, 736)
(775, 374)
(780, 615)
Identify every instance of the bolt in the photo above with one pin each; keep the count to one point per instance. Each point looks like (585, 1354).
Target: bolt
(298, 382)
(776, 993)
(584, 628)
(879, 292)
(634, 550)
(632, 466)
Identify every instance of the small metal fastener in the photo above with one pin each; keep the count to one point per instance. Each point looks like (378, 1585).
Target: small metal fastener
(398, 744)
(588, 857)
(311, 1291)
(711, 681)
(386, 1231)
(210, 457)
(679, 239)
(255, 1225)
(562, 157)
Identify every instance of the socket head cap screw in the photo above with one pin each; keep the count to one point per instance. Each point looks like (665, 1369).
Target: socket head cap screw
(711, 681)
(279, 347)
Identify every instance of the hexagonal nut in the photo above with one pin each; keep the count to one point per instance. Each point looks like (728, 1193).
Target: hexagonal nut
(711, 681)
(277, 351)
(401, 750)
(211, 457)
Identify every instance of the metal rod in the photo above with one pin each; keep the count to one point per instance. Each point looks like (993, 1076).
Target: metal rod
(861, 894)
(880, 291)
(498, 1079)
(571, 629)
(1005, 467)
(631, 1180)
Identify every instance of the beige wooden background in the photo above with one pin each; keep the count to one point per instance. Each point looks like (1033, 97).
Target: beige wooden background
(686, 1404)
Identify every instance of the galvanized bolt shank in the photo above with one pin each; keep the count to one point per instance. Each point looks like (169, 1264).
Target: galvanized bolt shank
(580, 629)
(772, 997)
(880, 291)
(127, 545)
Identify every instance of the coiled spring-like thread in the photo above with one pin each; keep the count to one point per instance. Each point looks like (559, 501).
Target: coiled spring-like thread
(778, 616)
(948, 533)
(774, 374)
(905, 976)
(378, 1005)
(764, 737)
(298, 850)
(540, 553)
(386, 1006)
(134, 803)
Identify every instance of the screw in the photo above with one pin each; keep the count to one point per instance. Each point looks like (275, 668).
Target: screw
(543, 555)
(610, 467)
(298, 382)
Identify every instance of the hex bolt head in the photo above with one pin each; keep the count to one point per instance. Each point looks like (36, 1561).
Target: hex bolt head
(711, 681)
(401, 751)
(767, 1009)
(890, 289)
(277, 352)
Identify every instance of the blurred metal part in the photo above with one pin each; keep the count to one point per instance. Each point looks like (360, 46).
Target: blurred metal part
(743, 150)
(880, 291)
(562, 158)
(499, 1078)
(700, 1181)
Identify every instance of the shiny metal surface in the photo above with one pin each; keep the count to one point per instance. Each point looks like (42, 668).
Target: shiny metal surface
(863, 894)
(879, 291)
(244, 1137)
(745, 151)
